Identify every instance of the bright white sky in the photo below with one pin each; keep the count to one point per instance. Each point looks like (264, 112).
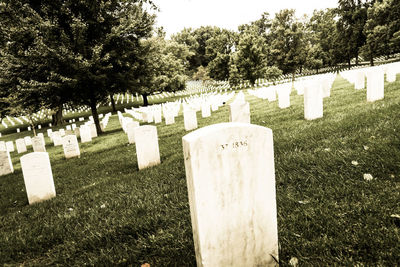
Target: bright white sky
(175, 15)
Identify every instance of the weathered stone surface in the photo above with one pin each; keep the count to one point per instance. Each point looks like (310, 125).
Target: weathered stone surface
(6, 165)
(71, 146)
(147, 149)
(231, 186)
(38, 177)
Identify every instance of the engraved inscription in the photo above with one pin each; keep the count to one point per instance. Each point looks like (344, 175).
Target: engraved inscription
(242, 144)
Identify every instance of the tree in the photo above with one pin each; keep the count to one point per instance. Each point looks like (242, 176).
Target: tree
(287, 46)
(160, 67)
(72, 51)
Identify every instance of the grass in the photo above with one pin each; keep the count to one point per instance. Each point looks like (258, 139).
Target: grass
(108, 213)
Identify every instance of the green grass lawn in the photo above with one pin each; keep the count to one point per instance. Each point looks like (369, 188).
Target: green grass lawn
(108, 213)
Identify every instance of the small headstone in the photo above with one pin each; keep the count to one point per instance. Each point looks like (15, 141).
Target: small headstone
(231, 185)
(3, 146)
(130, 131)
(20, 144)
(205, 110)
(239, 112)
(169, 119)
(93, 130)
(71, 147)
(38, 144)
(10, 146)
(28, 141)
(38, 177)
(49, 132)
(6, 166)
(375, 84)
(39, 126)
(73, 126)
(68, 127)
(284, 97)
(86, 135)
(29, 128)
(18, 130)
(57, 139)
(359, 82)
(189, 119)
(313, 102)
(147, 149)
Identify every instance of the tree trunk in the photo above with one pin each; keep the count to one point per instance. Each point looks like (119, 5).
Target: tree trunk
(357, 58)
(145, 101)
(57, 118)
(113, 103)
(95, 115)
(349, 62)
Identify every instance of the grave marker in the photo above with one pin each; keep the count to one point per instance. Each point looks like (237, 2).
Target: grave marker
(86, 135)
(6, 166)
(20, 144)
(313, 101)
(71, 147)
(130, 131)
(147, 150)
(38, 144)
(10, 146)
(231, 185)
(239, 112)
(189, 119)
(38, 177)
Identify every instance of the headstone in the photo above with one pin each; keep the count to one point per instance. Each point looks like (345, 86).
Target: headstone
(6, 166)
(20, 144)
(68, 127)
(169, 119)
(284, 97)
(39, 126)
(71, 147)
(38, 144)
(28, 141)
(42, 137)
(130, 131)
(62, 132)
(313, 102)
(73, 126)
(38, 177)
(239, 112)
(375, 84)
(359, 82)
(3, 146)
(205, 110)
(189, 119)
(29, 128)
(57, 139)
(86, 135)
(157, 116)
(231, 185)
(77, 132)
(18, 130)
(93, 130)
(10, 146)
(49, 132)
(147, 150)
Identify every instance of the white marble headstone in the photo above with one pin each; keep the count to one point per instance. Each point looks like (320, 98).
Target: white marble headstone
(147, 149)
(375, 84)
(313, 101)
(231, 185)
(189, 119)
(169, 119)
(38, 177)
(10, 146)
(38, 144)
(3, 146)
(130, 131)
(57, 139)
(86, 135)
(205, 110)
(71, 146)
(239, 112)
(28, 141)
(6, 166)
(20, 144)
(93, 130)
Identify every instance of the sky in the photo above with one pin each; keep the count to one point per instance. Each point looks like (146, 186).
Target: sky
(174, 15)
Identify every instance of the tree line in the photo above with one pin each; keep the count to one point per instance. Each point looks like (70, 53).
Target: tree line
(56, 52)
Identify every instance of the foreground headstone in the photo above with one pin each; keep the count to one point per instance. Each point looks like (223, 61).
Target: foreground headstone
(231, 185)
(38, 144)
(3, 146)
(190, 119)
(6, 166)
(375, 84)
(359, 81)
(20, 144)
(71, 146)
(38, 177)
(239, 112)
(147, 150)
(313, 102)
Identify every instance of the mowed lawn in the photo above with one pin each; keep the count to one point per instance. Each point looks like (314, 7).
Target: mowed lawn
(108, 213)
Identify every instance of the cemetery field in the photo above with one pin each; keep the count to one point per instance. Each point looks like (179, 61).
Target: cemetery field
(107, 212)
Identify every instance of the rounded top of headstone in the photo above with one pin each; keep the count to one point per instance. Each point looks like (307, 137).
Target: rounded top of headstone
(32, 155)
(207, 130)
